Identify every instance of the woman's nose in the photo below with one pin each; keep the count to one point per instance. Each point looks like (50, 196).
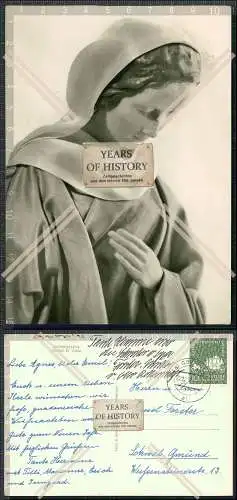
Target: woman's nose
(150, 127)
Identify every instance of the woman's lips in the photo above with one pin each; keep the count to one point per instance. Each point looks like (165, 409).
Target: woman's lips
(140, 137)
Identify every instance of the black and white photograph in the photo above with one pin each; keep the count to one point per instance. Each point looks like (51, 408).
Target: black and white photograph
(118, 252)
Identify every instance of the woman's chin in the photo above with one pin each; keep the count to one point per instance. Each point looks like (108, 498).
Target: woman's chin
(141, 138)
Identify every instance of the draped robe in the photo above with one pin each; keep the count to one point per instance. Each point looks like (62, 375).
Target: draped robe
(74, 277)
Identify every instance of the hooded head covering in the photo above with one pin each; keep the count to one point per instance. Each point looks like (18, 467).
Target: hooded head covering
(91, 71)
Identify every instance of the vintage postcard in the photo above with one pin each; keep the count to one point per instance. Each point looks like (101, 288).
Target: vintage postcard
(118, 165)
(118, 414)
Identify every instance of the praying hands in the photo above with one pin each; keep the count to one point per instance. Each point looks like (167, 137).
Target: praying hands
(137, 258)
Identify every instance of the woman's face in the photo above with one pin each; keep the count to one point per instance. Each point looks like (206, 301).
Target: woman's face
(141, 116)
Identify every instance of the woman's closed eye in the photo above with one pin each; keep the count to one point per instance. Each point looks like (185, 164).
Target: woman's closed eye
(152, 114)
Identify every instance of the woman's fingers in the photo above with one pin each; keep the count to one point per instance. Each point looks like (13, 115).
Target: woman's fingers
(132, 271)
(127, 254)
(134, 239)
(137, 258)
(132, 246)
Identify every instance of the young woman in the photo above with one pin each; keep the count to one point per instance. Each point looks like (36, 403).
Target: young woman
(125, 256)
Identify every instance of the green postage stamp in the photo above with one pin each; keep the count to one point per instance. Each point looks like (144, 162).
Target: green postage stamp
(211, 354)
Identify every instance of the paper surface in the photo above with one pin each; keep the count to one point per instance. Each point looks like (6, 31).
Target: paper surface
(52, 382)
